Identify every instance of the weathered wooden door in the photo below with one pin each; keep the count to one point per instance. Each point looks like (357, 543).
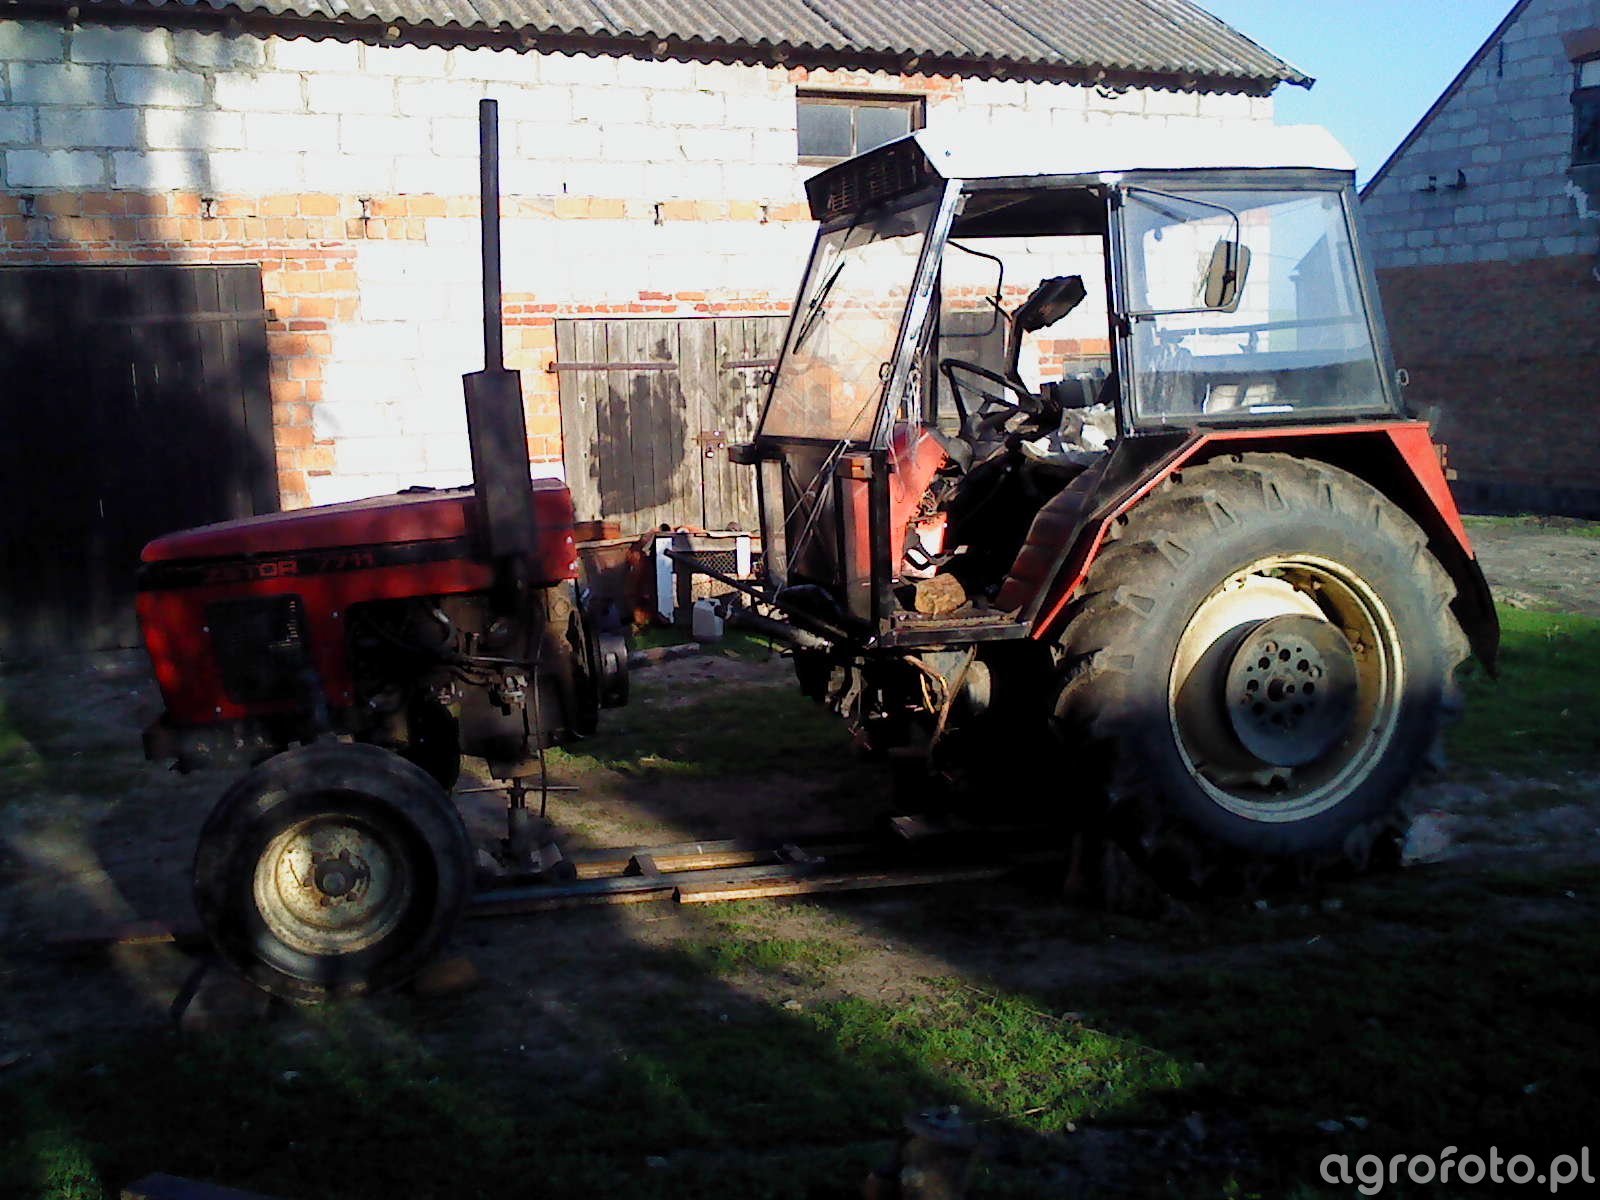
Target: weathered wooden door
(648, 408)
(133, 402)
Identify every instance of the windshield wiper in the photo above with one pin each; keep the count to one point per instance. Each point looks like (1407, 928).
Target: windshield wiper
(814, 309)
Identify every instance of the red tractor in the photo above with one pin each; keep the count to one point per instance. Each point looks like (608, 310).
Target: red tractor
(1203, 589)
(349, 655)
(1207, 587)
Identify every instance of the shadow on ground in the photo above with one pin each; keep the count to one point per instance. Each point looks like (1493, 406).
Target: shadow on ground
(770, 1050)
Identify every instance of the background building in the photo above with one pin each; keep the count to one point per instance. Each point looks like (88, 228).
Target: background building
(238, 247)
(1485, 224)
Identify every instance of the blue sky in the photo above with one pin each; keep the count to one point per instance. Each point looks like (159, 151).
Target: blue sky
(1379, 64)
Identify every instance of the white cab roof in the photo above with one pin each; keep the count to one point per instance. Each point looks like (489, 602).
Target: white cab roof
(1002, 155)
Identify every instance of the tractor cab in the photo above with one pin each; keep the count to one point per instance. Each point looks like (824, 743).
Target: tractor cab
(984, 331)
(1088, 461)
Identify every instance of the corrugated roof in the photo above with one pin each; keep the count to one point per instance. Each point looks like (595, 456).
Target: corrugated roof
(1167, 38)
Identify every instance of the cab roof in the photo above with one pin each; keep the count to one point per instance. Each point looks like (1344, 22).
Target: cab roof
(1098, 151)
(913, 162)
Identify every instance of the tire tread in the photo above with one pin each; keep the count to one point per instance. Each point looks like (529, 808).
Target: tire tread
(1093, 713)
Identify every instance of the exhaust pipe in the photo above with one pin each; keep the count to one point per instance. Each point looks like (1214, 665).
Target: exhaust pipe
(496, 427)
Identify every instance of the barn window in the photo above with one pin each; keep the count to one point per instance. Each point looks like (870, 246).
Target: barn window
(833, 125)
(1586, 113)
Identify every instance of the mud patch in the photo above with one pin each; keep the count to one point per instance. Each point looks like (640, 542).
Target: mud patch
(1531, 564)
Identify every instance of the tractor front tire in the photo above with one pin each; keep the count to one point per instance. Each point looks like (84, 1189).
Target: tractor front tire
(331, 870)
(1258, 666)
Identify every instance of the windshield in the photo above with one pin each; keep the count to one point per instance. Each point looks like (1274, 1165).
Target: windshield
(847, 321)
(1297, 337)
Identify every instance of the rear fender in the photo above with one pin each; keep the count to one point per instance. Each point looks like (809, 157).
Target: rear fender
(1398, 458)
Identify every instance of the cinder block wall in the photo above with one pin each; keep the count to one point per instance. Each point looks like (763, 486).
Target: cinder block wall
(349, 172)
(1488, 258)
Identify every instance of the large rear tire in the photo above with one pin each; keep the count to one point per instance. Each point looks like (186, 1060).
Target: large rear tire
(331, 870)
(1258, 667)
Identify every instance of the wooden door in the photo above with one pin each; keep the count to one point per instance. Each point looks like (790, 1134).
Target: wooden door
(648, 408)
(133, 402)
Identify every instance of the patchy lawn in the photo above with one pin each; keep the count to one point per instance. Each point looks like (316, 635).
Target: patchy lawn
(1425, 1013)
(771, 1050)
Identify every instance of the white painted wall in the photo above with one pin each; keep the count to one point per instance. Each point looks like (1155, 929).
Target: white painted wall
(118, 109)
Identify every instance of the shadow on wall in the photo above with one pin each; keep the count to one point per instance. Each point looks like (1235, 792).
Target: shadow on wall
(638, 457)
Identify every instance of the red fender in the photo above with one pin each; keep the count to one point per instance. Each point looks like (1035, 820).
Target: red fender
(1399, 458)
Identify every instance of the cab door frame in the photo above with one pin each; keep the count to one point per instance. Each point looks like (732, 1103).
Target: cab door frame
(849, 481)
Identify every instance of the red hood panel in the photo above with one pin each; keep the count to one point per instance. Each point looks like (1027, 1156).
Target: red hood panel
(418, 517)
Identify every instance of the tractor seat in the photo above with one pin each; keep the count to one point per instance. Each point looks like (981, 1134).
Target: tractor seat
(1046, 540)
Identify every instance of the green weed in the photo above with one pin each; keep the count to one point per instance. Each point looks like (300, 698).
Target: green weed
(1543, 712)
(801, 956)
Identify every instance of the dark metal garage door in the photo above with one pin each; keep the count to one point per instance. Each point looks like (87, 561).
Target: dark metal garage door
(133, 401)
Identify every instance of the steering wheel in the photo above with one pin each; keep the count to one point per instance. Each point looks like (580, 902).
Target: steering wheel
(994, 409)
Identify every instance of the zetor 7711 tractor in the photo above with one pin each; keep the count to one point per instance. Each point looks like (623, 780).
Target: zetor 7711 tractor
(1204, 596)
(350, 655)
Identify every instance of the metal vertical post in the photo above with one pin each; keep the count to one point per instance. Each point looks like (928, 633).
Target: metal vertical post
(489, 232)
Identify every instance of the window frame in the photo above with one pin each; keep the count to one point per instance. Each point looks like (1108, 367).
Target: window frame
(1585, 96)
(915, 104)
(1134, 419)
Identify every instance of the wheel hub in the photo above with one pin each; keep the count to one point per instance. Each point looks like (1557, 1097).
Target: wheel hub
(1290, 690)
(338, 877)
(331, 885)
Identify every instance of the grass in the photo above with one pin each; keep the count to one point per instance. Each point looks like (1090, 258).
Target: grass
(1522, 801)
(1002, 1055)
(734, 643)
(1572, 525)
(17, 755)
(737, 731)
(1542, 714)
(42, 754)
(1416, 1009)
(1462, 1040)
(799, 957)
(769, 1103)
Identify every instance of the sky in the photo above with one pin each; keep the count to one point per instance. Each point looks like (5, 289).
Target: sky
(1379, 64)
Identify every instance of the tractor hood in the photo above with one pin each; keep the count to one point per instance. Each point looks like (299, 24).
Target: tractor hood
(381, 520)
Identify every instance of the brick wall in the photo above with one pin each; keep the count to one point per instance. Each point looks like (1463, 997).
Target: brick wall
(349, 172)
(1504, 356)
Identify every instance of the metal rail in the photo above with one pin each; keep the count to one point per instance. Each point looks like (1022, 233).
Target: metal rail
(909, 852)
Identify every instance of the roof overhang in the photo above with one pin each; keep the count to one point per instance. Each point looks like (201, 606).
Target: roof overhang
(1089, 42)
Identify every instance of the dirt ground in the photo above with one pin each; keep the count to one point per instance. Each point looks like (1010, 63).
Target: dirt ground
(1534, 564)
(99, 836)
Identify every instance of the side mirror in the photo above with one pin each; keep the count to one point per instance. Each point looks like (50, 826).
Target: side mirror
(1049, 302)
(1230, 263)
